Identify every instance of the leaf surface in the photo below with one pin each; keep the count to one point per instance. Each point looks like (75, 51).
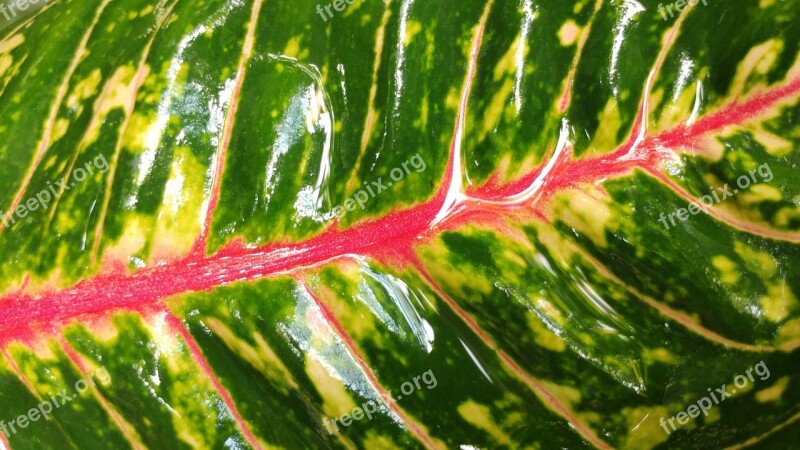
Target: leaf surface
(257, 218)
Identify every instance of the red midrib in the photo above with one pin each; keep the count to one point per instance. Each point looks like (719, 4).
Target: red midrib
(395, 234)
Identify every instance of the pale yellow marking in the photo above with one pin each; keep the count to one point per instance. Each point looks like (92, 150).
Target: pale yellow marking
(372, 114)
(179, 221)
(605, 137)
(19, 365)
(24, 24)
(773, 393)
(480, 416)
(569, 33)
(412, 28)
(103, 330)
(121, 88)
(773, 144)
(360, 325)
(170, 345)
(547, 308)
(7, 74)
(684, 319)
(643, 423)
(125, 97)
(84, 88)
(728, 213)
(133, 238)
(649, 103)
(378, 442)
(275, 365)
(261, 356)
(127, 430)
(453, 99)
(139, 131)
(491, 117)
(44, 349)
(60, 94)
(778, 302)
(678, 110)
(5, 63)
(786, 215)
(230, 119)
(760, 193)
(714, 416)
(457, 278)
(60, 129)
(512, 168)
(691, 323)
(662, 355)
(11, 43)
(507, 64)
(292, 48)
(566, 84)
(509, 255)
(543, 336)
(115, 93)
(335, 398)
(758, 61)
(585, 214)
(656, 97)
(421, 122)
(186, 394)
(569, 395)
(729, 270)
(554, 240)
(759, 262)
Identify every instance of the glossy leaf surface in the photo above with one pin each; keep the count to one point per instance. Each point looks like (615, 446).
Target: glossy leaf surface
(260, 217)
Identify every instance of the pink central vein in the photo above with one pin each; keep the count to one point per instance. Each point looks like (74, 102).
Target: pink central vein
(398, 231)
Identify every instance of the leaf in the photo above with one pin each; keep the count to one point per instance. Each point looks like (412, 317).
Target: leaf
(478, 224)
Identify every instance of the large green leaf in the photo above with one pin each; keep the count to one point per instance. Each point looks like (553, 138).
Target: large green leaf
(519, 256)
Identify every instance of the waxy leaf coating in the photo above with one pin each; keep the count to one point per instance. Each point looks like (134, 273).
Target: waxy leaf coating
(400, 224)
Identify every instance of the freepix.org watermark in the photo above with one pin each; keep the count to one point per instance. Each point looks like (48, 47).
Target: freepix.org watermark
(373, 188)
(718, 395)
(15, 6)
(367, 409)
(43, 409)
(679, 6)
(43, 198)
(717, 195)
(338, 5)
